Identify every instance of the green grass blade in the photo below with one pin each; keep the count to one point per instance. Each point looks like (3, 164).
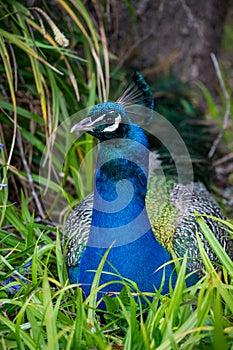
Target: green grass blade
(49, 316)
(92, 299)
(80, 320)
(216, 246)
(219, 339)
(24, 337)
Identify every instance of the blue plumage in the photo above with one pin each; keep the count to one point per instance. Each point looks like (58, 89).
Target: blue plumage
(116, 214)
(119, 215)
(137, 260)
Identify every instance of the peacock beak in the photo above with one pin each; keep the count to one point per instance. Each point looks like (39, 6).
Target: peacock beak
(84, 125)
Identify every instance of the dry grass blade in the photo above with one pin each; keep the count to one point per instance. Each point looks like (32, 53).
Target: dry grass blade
(27, 49)
(105, 49)
(59, 37)
(227, 111)
(93, 48)
(9, 75)
(53, 43)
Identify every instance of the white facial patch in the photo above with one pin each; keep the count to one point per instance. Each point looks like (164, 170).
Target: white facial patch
(114, 126)
(98, 119)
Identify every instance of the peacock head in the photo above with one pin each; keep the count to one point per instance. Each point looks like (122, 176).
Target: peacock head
(105, 121)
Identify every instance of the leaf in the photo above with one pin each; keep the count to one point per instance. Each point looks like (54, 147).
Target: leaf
(49, 316)
(219, 339)
(215, 245)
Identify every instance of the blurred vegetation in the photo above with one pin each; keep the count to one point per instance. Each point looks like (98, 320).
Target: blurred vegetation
(54, 63)
(45, 78)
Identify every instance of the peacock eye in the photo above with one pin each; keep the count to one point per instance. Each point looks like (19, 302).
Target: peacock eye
(109, 120)
(111, 117)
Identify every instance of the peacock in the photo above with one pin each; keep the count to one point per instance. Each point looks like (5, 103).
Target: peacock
(142, 219)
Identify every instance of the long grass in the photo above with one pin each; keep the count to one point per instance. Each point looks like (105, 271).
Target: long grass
(49, 313)
(44, 81)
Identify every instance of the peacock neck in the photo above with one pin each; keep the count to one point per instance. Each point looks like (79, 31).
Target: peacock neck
(119, 218)
(119, 212)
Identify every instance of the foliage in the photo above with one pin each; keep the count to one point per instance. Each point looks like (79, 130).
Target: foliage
(49, 313)
(43, 81)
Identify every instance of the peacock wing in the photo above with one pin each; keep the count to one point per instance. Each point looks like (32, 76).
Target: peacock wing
(76, 230)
